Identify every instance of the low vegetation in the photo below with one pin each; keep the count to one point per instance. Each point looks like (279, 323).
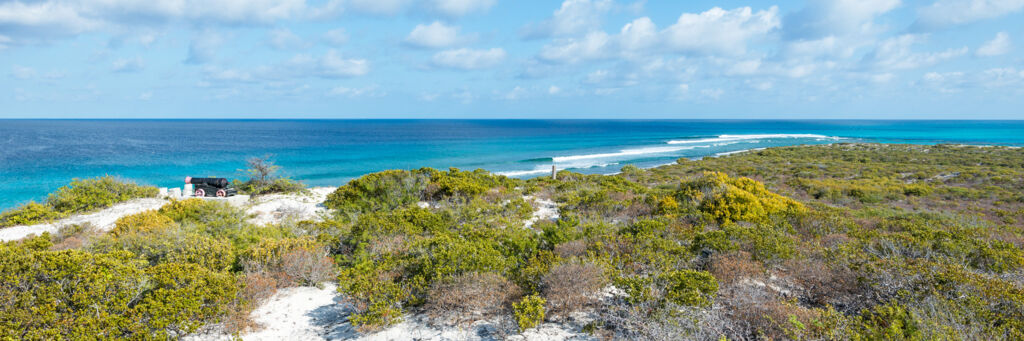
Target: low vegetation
(77, 197)
(846, 241)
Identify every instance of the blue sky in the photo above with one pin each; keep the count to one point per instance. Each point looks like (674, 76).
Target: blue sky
(853, 59)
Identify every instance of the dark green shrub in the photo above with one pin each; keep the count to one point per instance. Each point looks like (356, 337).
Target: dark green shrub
(379, 191)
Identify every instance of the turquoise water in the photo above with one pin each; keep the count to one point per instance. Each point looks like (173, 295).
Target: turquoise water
(38, 156)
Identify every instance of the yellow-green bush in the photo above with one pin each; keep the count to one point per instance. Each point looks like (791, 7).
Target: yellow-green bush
(379, 191)
(728, 200)
(146, 221)
(70, 294)
(29, 214)
(529, 312)
(89, 194)
(173, 246)
(689, 287)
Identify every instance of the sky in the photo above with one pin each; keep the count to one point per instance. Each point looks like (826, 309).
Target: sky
(838, 59)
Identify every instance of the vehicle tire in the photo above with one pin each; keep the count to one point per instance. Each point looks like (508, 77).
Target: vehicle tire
(222, 193)
(200, 193)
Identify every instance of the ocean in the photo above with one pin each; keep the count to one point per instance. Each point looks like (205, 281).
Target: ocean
(39, 156)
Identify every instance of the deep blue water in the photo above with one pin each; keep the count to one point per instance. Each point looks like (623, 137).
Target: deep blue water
(38, 156)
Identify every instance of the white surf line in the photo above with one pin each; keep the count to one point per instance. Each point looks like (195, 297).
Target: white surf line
(727, 137)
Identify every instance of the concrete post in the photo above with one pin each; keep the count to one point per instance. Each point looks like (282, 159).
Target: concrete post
(554, 172)
(189, 190)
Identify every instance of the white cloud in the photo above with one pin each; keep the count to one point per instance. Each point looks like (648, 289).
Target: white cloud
(594, 45)
(127, 65)
(823, 18)
(998, 46)
(573, 17)
(333, 65)
(336, 37)
(554, 90)
(436, 35)
(145, 96)
(957, 12)
(284, 39)
(368, 91)
(896, 53)
(458, 8)
(469, 59)
(720, 31)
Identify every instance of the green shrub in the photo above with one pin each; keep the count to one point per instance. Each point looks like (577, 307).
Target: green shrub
(91, 194)
(263, 178)
(184, 297)
(146, 221)
(689, 287)
(728, 200)
(529, 312)
(29, 214)
(379, 191)
(173, 246)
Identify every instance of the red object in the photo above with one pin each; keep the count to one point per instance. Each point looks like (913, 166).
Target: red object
(188, 179)
(222, 193)
(200, 193)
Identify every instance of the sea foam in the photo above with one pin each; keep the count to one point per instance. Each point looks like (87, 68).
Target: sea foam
(728, 138)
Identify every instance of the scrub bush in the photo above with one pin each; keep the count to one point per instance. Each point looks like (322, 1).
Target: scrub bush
(90, 194)
(147, 221)
(689, 287)
(172, 246)
(529, 312)
(470, 297)
(569, 287)
(29, 214)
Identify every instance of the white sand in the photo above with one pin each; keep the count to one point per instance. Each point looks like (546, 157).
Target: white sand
(103, 219)
(544, 209)
(275, 208)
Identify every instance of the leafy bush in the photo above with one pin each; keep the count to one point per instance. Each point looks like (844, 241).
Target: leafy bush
(173, 246)
(689, 287)
(529, 312)
(728, 200)
(297, 261)
(29, 214)
(385, 190)
(90, 194)
(114, 295)
(146, 221)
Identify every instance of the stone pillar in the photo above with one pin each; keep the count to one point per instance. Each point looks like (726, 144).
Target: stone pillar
(188, 191)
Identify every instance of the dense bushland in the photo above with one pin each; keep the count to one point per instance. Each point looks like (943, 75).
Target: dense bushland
(848, 242)
(77, 197)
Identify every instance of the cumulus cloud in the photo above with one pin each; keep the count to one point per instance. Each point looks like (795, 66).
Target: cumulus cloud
(720, 31)
(824, 18)
(47, 19)
(897, 53)
(945, 13)
(469, 59)
(333, 65)
(434, 35)
(998, 46)
(127, 65)
(712, 32)
(573, 17)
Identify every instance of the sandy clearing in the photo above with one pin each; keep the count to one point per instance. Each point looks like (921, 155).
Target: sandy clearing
(544, 209)
(275, 208)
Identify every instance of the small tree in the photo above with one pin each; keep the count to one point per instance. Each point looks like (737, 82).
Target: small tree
(263, 178)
